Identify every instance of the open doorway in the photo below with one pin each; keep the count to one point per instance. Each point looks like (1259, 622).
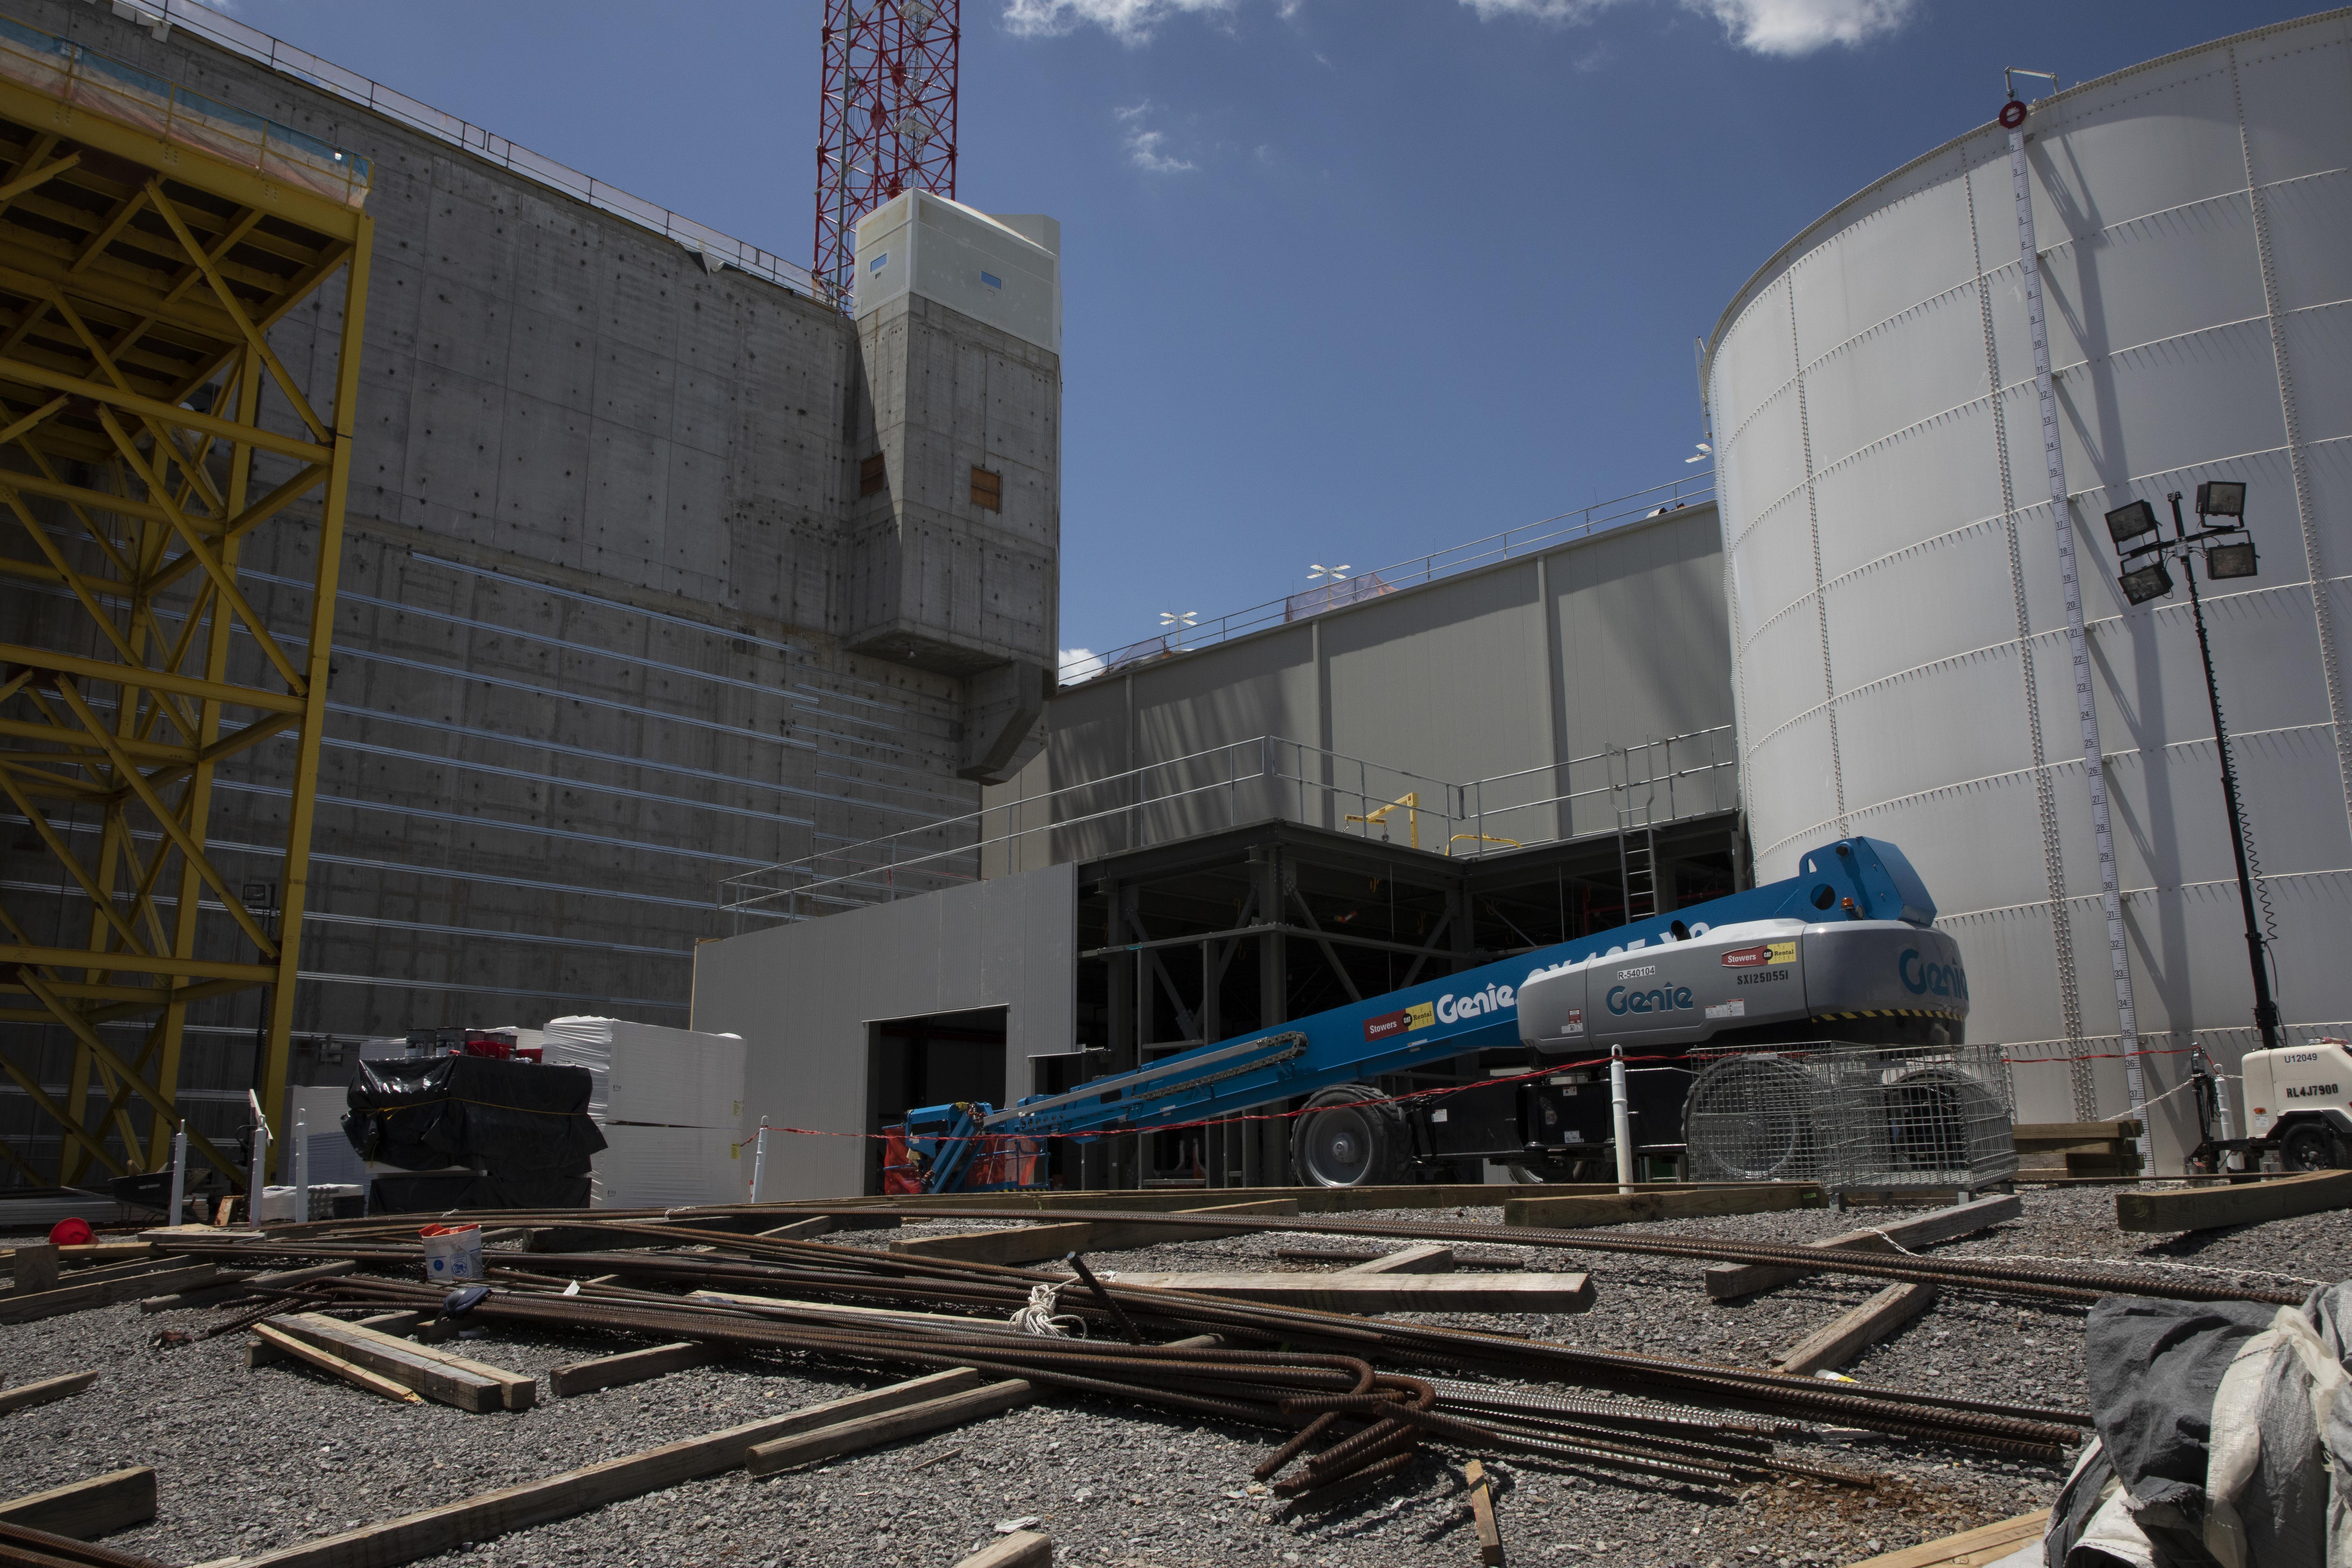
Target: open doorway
(936, 1059)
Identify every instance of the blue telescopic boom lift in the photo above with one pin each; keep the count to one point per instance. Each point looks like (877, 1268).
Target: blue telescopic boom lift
(1845, 938)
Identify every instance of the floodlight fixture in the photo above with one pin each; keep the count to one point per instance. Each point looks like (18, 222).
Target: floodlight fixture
(2149, 582)
(1317, 571)
(2229, 560)
(1178, 618)
(2222, 498)
(2129, 522)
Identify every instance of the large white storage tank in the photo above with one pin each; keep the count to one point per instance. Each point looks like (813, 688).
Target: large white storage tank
(1898, 632)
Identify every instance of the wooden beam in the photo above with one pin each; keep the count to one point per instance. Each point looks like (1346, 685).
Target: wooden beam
(261, 1352)
(25, 1396)
(1022, 1549)
(1634, 1208)
(1726, 1281)
(1349, 1293)
(1481, 1512)
(88, 1253)
(311, 1355)
(1836, 1343)
(103, 1292)
(1428, 1259)
(837, 1437)
(85, 1509)
(489, 1515)
(449, 1379)
(1033, 1244)
(631, 1366)
(2209, 1209)
(1971, 1547)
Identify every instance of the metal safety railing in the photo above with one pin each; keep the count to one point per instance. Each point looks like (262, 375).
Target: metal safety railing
(66, 70)
(1220, 787)
(1512, 544)
(253, 44)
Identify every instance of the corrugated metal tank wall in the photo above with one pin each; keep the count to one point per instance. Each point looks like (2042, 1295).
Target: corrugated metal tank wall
(1898, 632)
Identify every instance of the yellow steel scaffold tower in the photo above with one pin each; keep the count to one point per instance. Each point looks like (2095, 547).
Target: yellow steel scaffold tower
(150, 239)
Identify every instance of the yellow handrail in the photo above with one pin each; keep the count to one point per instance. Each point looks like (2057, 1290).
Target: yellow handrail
(1483, 838)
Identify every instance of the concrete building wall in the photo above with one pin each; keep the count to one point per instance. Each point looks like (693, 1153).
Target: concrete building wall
(804, 997)
(1517, 669)
(594, 647)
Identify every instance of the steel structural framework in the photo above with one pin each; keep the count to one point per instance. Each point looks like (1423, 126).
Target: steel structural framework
(148, 240)
(886, 121)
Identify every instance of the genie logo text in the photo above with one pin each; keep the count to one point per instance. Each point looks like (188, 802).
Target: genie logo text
(1659, 999)
(1922, 978)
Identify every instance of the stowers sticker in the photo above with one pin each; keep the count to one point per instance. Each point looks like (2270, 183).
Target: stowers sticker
(1420, 1015)
(1761, 954)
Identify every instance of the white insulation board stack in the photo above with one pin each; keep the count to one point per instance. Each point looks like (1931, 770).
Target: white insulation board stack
(669, 1167)
(650, 1074)
(670, 1102)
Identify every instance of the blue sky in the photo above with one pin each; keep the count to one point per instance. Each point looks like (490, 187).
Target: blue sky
(1345, 281)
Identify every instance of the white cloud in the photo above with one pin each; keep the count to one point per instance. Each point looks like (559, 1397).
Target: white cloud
(1800, 27)
(1147, 148)
(1129, 21)
(1079, 664)
(1784, 27)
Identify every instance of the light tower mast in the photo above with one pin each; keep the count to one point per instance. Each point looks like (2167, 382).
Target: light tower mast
(886, 120)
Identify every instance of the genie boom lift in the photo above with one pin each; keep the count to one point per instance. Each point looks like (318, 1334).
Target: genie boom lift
(1843, 950)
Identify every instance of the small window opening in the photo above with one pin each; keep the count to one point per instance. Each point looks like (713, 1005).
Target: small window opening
(988, 490)
(873, 476)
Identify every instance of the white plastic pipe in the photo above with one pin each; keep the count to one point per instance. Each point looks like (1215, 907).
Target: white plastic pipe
(1620, 1119)
(179, 1209)
(758, 1159)
(253, 1178)
(302, 1171)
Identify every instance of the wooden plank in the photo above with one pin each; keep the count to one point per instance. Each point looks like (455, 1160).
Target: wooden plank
(487, 1515)
(1429, 1259)
(1634, 1209)
(801, 1230)
(2073, 1131)
(87, 1509)
(1481, 1512)
(1349, 1293)
(1835, 1343)
(1970, 1548)
(25, 1396)
(359, 1376)
(2208, 1209)
(103, 1292)
(889, 1314)
(1022, 1549)
(261, 1352)
(87, 1252)
(838, 1437)
(1036, 1242)
(631, 1366)
(436, 1375)
(400, 1364)
(33, 1269)
(1727, 1280)
(521, 1388)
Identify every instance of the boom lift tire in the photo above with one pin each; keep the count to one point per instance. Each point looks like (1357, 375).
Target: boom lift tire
(1349, 1135)
(2311, 1147)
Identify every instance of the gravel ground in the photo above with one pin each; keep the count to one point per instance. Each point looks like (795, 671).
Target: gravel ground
(252, 1459)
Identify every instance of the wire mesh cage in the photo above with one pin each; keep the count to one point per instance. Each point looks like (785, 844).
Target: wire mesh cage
(1850, 1116)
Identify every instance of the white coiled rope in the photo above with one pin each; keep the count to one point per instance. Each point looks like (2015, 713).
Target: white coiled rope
(1038, 1317)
